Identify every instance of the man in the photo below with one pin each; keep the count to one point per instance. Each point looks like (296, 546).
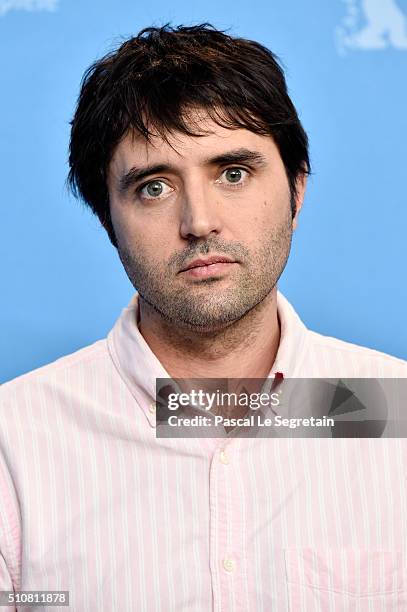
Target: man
(187, 146)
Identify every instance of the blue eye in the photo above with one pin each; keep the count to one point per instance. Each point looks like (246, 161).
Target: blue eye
(234, 176)
(153, 190)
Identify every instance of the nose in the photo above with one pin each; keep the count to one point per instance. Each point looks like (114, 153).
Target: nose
(200, 214)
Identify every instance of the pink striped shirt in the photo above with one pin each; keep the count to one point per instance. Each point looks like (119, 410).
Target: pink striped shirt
(93, 503)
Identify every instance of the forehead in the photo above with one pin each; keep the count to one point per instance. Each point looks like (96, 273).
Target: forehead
(183, 150)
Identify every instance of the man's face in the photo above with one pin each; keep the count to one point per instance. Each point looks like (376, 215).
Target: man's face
(222, 194)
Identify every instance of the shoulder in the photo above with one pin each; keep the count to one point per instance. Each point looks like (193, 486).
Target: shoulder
(352, 359)
(68, 370)
(35, 408)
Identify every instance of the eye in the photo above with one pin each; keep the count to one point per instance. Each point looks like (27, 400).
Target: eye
(234, 176)
(154, 190)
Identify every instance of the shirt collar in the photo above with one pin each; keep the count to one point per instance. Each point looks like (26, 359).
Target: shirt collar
(139, 367)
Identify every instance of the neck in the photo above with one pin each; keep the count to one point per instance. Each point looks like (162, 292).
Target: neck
(244, 349)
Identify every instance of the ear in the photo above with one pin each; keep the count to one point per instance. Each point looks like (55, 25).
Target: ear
(301, 184)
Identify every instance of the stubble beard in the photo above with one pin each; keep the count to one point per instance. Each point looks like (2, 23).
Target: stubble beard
(214, 304)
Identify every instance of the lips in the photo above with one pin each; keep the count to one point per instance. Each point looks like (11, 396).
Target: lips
(198, 263)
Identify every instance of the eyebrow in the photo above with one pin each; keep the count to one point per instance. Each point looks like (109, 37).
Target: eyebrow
(236, 156)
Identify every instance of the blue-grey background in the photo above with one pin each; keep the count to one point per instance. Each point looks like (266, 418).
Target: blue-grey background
(62, 283)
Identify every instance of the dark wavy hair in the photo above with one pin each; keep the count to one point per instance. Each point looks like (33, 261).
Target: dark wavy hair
(148, 84)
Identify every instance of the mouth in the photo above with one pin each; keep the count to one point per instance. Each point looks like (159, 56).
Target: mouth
(211, 266)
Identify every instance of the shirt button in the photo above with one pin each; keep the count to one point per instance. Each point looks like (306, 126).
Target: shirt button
(223, 457)
(152, 407)
(229, 565)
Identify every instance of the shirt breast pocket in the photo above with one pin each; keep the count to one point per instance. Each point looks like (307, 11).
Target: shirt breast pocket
(345, 580)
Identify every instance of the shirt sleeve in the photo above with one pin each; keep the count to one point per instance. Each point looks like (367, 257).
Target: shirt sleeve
(10, 529)
(6, 583)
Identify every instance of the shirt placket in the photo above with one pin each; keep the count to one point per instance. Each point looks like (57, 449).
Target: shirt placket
(227, 528)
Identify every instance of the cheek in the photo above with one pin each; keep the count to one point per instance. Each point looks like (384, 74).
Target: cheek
(275, 206)
(130, 229)
(147, 240)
